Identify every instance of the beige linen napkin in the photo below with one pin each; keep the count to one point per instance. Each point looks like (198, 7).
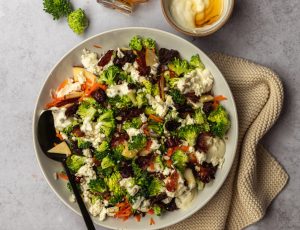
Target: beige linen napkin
(256, 177)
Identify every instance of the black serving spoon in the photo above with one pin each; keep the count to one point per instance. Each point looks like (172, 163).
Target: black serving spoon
(47, 137)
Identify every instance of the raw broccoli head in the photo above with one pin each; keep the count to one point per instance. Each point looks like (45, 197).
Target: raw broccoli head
(86, 109)
(107, 162)
(148, 86)
(158, 160)
(113, 184)
(149, 43)
(97, 185)
(196, 62)
(78, 21)
(219, 121)
(200, 119)
(136, 123)
(156, 187)
(83, 144)
(155, 90)
(189, 133)
(136, 43)
(179, 66)
(172, 82)
(57, 8)
(109, 75)
(107, 121)
(156, 127)
(180, 159)
(75, 162)
(103, 147)
(142, 178)
(177, 97)
(137, 142)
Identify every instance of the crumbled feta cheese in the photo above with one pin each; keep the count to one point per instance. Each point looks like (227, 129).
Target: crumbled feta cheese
(216, 152)
(73, 87)
(197, 81)
(166, 171)
(92, 132)
(138, 202)
(160, 107)
(154, 145)
(133, 132)
(72, 198)
(185, 199)
(132, 70)
(200, 156)
(118, 90)
(60, 119)
(120, 53)
(87, 172)
(145, 206)
(153, 70)
(167, 200)
(98, 209)
(188, 121)
(87, 152)
(112, 211)
(90, 61)
(143, 118)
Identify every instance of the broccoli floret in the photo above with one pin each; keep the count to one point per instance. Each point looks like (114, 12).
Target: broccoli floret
(86, 110)
(136, 123)
(107, 122)
(155, 90)
(180, 159)
(179, 66)
(109, 75)
(68, 130)
(107, 162)
(75, 162)
(113, 200)
(149, 43)
(136, 43)
(158, 160)
(200, 119)
(156, 127)
(97, 185)
(141, 100)
(137, 142)
(57, 8)
(157, 210)
(219, 121)
(177, 97)
(173, 82)
(117, 152)
(142, 178)
(105, 172)
(113, 184)
(78, 21)
(149, 110)
(103, 147)
(156, 187)
(147, 86)
(196, 62)
(120, 102)
(189, 133)
(83, 144)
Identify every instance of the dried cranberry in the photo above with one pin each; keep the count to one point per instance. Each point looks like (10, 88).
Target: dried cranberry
(99, 95)
(118, 138)
(172, 142)
(172, 125)
(144, 162)
(74, 148)
(172, 182)
(171, 206)
(158, 198)
(192, 97)
(208, 107)
(184, 110)
(143, 69)
(77, 179)
(128, 114)
(165, 56)
(128, 57)
(126, 169)
(207, 172)
(106, 58)
(71, 110)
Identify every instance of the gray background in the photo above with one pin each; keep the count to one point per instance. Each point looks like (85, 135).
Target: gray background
(265, 31)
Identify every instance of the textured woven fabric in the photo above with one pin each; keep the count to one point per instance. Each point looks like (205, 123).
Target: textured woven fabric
(255, 178)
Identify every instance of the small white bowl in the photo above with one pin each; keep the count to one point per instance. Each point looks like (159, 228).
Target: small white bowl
(202, 31)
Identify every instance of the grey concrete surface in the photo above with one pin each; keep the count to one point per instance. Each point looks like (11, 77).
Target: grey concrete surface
(265, 31)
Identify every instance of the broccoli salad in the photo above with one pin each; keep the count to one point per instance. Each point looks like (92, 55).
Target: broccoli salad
(145, 130)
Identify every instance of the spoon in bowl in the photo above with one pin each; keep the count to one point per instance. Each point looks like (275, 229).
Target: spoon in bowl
(60, 152)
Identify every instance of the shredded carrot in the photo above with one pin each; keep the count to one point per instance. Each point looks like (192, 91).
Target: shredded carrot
(152, 221)
(62, 176)
(97, 46)
(149, 143)
(217, 100)
(125, 210)
(183, 148)
(151, 166)
(146, 131)
(54, 102)
(156, 118)
(170, 152)
(58, 135)
(151, 211)
(62, 85)
(138, 218)
(94, 87)
(169, 163)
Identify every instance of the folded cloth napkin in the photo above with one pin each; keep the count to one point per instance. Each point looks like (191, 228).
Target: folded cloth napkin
(256, 177)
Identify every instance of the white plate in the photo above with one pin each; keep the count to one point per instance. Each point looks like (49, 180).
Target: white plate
(120, 38)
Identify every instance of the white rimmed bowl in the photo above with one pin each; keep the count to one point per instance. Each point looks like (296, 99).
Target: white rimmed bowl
(202, 31)
(120, 38)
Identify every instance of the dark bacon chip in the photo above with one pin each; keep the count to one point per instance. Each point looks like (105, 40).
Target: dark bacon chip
(207, 172)
(106, 58)
(165, 56)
